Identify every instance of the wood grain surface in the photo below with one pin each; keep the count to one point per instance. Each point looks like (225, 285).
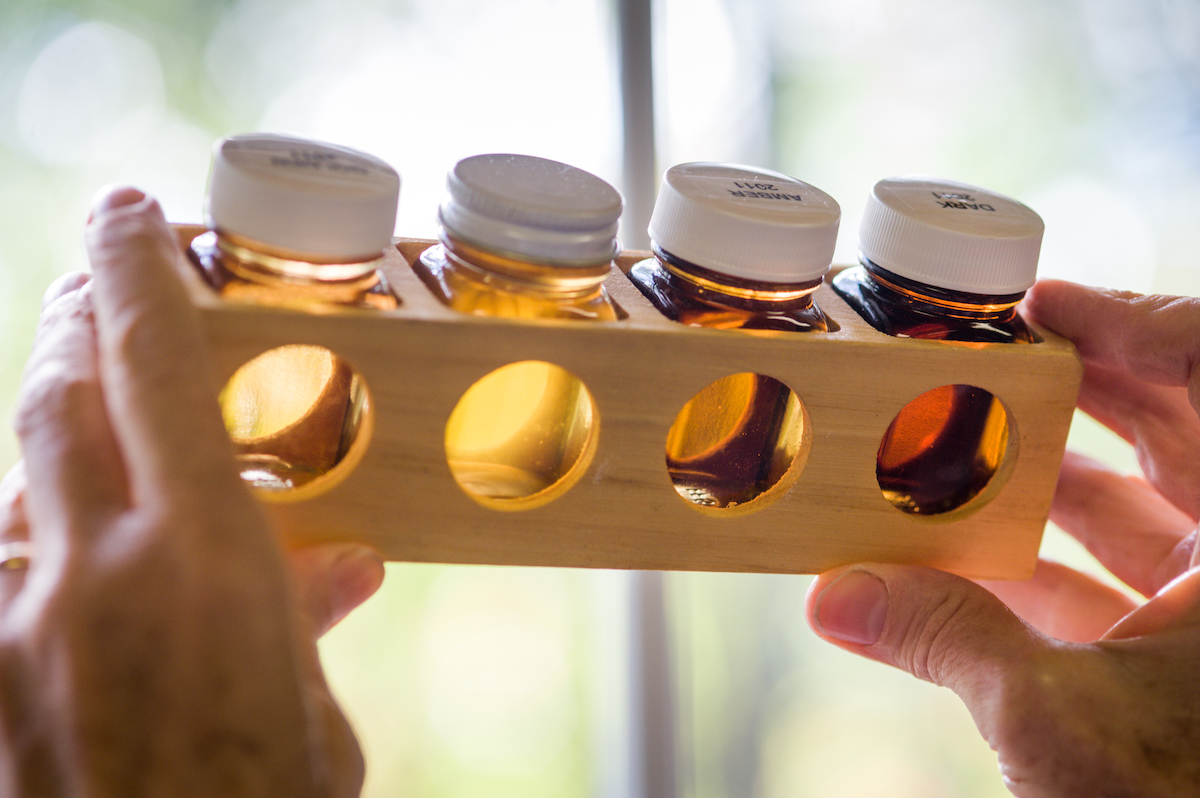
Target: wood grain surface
(624, 512)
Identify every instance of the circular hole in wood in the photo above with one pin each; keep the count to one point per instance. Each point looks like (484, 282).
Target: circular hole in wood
(522, 435)
(943, 450)
(738, 443)
(299, 417)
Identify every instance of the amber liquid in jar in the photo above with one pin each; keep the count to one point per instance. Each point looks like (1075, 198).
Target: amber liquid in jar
(524, 427)
(737, 437)
(699, 297)
(472, 280)
(944, 447)
(293, 412)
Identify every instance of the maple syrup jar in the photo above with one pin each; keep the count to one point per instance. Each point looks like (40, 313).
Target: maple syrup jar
(533, 239)
(943, 261)
(524, 237)
(738, 248)
(299, 224)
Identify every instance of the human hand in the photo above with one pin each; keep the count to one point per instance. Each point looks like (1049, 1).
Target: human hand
(1092, 693)
(157, 643)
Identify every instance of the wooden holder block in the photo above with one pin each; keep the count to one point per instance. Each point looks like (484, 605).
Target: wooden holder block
(625, 513)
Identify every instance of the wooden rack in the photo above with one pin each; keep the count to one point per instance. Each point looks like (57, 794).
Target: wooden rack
(624, 512)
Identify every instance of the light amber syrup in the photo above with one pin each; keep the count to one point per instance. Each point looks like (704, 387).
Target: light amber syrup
(736, 438)
(943, 448)
(293, 412)
(520, 430)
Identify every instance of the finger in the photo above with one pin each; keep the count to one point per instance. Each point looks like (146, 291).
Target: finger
(1158, 421)
(936, 626)
(1154, 338)
(1128, 340)
(1134, 532)
(1176, 606)
(13, 523)
(66, 284)
(75, 473)
(152, 353)
(331, 580)
(14, 526)
(1063, 603)
(342, 768)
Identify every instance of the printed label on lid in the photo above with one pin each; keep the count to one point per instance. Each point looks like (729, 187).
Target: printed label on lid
(280, 156)
(318, 160)
(952, 235)
(766, 191)
(322, 200)
(920, 198)
(745, 222)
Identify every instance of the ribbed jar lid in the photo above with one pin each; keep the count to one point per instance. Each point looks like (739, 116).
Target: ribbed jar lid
(532, 208)
(308, 197)
(745, 222)
(951, 235)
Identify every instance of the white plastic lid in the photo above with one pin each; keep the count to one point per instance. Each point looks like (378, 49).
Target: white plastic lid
(306, 196)
(532, 208)
(745, 222)
(951, 235)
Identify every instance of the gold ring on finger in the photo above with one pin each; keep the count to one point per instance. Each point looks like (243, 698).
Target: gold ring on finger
(15, 555)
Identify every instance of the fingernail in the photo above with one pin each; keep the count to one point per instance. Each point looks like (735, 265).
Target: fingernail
(353, 578)
(853, 608)
(111, 197)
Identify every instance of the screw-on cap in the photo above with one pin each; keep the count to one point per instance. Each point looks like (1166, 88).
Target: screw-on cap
(532, 208)
(745, 222)
(951, 235)
(308, 197)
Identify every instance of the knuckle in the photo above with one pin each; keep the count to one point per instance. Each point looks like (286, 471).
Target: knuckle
(117, 232)
(952, 636)
(64, 286)
(60, 371)
(139, 339)
(129, 333)
(928, 650)
(54, 393)
(68, 312)
(1164, 329)
(153, 333)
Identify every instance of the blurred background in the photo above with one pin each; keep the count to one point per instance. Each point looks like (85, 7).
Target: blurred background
(501, 681)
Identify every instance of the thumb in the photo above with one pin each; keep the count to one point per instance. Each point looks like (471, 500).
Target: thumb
(937, 626)
(333, 579)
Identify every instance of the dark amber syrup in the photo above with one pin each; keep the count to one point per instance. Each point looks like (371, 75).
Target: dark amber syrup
(943, 448)
(760, 427)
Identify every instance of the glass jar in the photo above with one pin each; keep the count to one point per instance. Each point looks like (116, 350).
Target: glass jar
(943, 261)
(532, 239)
(737, 247)
(303, 225)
